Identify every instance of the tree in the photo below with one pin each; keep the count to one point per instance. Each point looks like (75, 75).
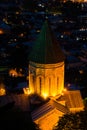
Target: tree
(73, 121)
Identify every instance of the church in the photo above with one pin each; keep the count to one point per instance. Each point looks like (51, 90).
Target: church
(46, 67)
(46, 78)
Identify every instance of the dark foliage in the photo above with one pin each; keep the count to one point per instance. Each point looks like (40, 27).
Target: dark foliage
(73, 121)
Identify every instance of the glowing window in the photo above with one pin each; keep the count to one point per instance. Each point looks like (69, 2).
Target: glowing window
(40, 83)
(57, 82)
(49, 85)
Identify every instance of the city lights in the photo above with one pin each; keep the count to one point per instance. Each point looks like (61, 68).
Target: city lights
(1, 31)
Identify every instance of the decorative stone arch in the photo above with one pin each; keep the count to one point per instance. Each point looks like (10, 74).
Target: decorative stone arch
(46, 79)
(32, 82)
(49, 84)
(57, 84)
(39, 84)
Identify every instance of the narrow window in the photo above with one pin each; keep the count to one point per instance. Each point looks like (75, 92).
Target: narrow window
(57, 82)
(33, 82)
(49, 86)
(33, 78)
(40, 84)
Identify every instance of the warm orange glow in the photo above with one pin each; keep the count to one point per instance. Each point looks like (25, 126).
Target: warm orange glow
(54, 94)
(26, 91)
(62, 93)
(45, 95)
(49, 120)
(64, 90)
(2, 91)
(49, 85)
(1, 32)
(81, 71)
(13, 73)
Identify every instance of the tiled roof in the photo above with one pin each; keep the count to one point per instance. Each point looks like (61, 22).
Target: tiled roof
(60, 107)
(48, 107)
(46, 49)
(21, 101)
(74, 99)
(41, 111)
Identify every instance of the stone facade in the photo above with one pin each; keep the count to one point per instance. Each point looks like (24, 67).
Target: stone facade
(46, 79)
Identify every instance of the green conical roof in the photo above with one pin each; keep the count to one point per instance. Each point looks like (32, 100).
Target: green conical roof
(46, 49)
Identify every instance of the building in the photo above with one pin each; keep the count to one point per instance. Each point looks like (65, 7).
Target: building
(48, 114)
(46, 66)
(46, 78)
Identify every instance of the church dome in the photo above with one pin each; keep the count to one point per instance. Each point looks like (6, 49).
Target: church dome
(46, 49)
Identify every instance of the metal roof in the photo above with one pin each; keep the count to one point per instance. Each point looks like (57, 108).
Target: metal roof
(46, 49)
(41, 111)
(21, 101)
(48, 107)
(74, 99)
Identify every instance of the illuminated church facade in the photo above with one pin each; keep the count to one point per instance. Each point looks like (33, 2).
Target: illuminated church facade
(46, 78)
(46, 67)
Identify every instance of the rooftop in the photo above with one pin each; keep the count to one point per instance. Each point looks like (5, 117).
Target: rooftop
(46, 49)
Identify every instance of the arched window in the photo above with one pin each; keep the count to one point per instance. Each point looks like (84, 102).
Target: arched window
(40, 84)
(49, 86)
(33, 78)
(33, 82)
(57, 82)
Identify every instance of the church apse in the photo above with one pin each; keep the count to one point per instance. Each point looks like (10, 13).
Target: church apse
(46, 66)
(47, 79)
